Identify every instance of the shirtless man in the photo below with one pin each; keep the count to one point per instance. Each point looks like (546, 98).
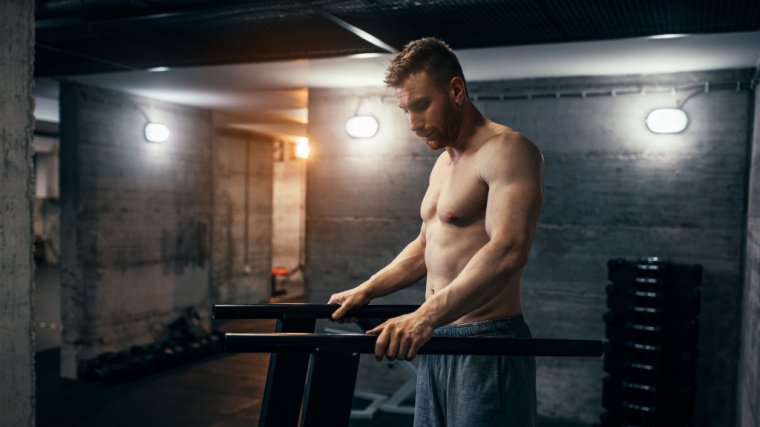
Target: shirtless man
(479, 219)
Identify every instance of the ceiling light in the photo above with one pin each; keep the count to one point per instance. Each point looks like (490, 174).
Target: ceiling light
(157, 132)
(158, 69)
(362, 126)
(364, 55)
(302, 148)
(667, 120)
(668, 36)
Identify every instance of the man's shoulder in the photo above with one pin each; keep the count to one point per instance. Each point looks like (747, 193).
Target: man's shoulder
(508, 154)
(507, 142)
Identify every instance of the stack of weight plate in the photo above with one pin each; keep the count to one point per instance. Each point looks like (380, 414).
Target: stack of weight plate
(651, 349)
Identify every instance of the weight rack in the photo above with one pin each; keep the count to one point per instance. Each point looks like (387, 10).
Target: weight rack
(651, 349)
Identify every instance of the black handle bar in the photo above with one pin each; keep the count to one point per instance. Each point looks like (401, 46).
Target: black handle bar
(360, 343)
(318, 311)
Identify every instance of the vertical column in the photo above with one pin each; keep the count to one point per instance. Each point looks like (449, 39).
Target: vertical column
(748, 401)
(16, 192)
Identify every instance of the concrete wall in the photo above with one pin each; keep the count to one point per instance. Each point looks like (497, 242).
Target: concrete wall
(242, 217)
(17, 405)
(749, 362)
(135, 220)
(289, 211)
(613, 189)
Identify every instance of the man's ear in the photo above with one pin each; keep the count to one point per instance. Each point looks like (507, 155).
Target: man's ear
(457, 89)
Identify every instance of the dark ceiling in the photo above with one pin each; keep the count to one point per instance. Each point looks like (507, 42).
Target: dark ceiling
(93, 36)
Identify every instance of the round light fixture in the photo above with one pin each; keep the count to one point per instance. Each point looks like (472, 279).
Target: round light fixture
(667, 120)
(362, 126)
(156, 132)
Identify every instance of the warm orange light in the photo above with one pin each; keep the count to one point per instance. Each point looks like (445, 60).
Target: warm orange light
(302, 148)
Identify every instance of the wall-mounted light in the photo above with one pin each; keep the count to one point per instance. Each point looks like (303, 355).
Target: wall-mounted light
(302, 148)
(667, 120)
(156, 132)
(362, 126)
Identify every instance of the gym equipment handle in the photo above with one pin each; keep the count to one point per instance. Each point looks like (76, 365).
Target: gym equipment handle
(318, 311)
(361, 343)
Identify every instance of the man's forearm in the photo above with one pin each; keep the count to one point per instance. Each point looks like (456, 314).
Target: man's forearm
(406, 269)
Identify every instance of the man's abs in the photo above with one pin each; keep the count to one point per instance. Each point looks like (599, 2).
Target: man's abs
(447, 252)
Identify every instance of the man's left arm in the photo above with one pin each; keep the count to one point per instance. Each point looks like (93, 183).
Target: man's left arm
(514, 175)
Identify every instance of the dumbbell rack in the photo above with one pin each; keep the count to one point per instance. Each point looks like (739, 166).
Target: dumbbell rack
(651, 349)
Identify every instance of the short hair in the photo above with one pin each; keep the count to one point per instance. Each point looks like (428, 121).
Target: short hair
(431, 55)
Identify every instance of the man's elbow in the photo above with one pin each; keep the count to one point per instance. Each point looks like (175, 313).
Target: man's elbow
(514, 257)
(519, 258)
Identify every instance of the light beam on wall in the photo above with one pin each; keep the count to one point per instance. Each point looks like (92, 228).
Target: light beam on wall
(667, 120)
(362, 126)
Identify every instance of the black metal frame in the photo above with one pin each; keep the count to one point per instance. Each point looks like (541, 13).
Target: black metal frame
(365, 344)
(316, 311)
(321, 369)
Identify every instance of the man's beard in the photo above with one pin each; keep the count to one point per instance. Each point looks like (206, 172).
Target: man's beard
(445, 136)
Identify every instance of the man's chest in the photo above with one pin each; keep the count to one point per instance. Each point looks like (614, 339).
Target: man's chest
(457, 195)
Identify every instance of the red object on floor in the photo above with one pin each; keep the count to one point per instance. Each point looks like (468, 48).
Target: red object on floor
(276, 271)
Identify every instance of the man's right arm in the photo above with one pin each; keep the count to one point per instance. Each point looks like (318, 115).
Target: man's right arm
(406, 269)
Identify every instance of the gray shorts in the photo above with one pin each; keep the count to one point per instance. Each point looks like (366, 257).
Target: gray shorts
(480, 391)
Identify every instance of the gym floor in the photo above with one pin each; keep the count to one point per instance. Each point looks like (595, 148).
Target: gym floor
(220, 391)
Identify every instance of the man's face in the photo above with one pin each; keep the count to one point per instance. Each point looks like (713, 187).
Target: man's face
(430, 110)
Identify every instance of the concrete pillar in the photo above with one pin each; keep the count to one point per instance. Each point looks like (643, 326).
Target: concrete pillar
(242, 231)
(16, 191)
(288, 214)
(749, 356)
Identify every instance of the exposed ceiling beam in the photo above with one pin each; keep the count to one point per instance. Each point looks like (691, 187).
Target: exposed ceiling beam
(353, 29)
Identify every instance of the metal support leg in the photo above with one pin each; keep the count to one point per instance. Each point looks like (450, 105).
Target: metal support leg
(330, 388)
(286, 377)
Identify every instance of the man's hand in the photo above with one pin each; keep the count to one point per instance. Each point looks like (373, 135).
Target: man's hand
(347, 300)
(401, 337)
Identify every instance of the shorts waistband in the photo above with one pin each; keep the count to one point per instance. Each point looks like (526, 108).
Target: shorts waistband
(501, 324)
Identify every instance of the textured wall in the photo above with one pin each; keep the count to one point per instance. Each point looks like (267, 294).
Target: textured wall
(16, 189)
(135, 220)
(613, 189)
(749, 362)
(363, 195)
(242, 217)
(288, 209)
